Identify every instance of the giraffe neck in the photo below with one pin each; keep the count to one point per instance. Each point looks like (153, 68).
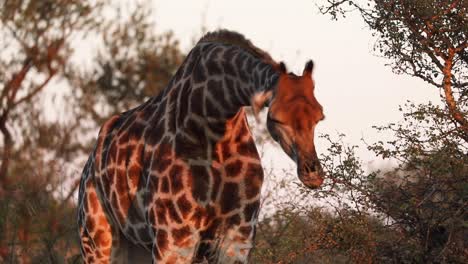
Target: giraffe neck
(217, 80)
(208, 90)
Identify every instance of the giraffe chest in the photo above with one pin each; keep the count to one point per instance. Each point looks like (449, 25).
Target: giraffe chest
(181, 185)
(231, 175)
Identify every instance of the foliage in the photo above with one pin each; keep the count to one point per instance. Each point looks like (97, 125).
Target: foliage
(134, 65)
(413, 213)
(50, 105)
(422, 38)
(313, 235)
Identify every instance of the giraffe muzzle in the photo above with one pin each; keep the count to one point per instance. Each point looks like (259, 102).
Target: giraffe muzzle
(311, 174)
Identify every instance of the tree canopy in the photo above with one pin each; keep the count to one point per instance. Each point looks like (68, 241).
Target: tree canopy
(51, 107)
(422, 38)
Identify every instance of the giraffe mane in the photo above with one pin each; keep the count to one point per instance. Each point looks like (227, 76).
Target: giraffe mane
(225, 36)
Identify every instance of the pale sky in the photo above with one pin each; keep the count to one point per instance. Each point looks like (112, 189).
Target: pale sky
(354, 86)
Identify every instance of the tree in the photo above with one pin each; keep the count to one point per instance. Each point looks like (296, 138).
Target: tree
(40, 155)
(35, 45)
(422, 38)
(413, 213)
(134, 65)
(36, 39)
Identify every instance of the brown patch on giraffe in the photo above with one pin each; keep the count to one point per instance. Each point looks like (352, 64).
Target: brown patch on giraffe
(226, 150)
(172, 212)
(111, 155)
(183, 104)
(172, 259)
(171, 117)
(106, 184)
(197, 97)
(122, 154)
(217, 156)
(155, 132)
(216, 183)
(194, 56)
(103, 221)
(211, 231)
(213, 67)
(248, 149)
(146, 113)
(186, 147)
(103, 133)
(197, 217)
(250, 210)
(203, 252)
(90, 223)
(233, 220)
(176, 178)
(117, 209)
(210, 213)
(102, 238)
(253, 180)
(120, 181)
(245, 230)
(233, 169)
(184, 206)
(200, 182)
(211, 109)
(127, 119)
(199, 74)
(160, 212)
(152, 216)
(215, 88)
(164, 184)
(162, 240)
(230, 197)
(92, 201)
(137, 154)
(124, 205)
(241, 130)
(163, 157)
(217, 127)
(230, 87)
(136, 130)
(153, 183)
(106, 251)
(123, 138)
(181, 236)
(134, 173)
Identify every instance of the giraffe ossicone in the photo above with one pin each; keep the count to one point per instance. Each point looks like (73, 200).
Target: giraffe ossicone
(178, 178)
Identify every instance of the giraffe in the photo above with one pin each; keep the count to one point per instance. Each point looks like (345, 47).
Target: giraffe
(178, 178)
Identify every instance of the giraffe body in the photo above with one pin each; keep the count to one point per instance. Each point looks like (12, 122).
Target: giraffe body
(178, 178)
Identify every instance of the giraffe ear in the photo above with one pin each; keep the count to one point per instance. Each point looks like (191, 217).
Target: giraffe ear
(258, 102)
(308, 68)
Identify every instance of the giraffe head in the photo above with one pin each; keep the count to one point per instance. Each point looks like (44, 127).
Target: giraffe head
(293, 115)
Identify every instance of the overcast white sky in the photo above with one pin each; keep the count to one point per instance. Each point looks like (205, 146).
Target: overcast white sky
(355, 87)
